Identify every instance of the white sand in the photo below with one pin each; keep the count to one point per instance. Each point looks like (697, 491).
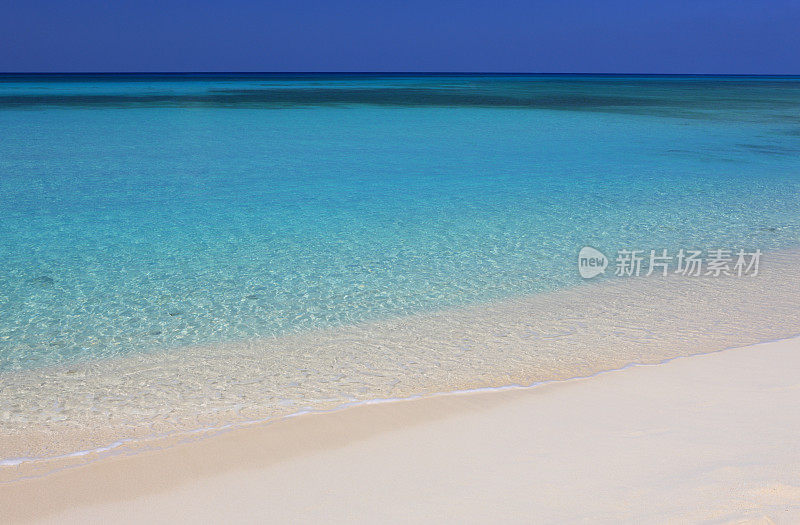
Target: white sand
(47, 411)
(712, 438)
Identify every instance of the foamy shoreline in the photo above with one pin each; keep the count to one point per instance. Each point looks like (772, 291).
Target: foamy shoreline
(137, 402)
(53, 463)
(707, 438)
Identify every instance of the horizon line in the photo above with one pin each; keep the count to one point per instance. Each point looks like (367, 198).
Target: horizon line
(510, 73)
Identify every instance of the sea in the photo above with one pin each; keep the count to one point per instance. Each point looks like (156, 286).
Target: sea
(187, 251)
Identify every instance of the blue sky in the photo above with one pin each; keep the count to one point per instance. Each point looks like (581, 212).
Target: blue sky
(621, 36)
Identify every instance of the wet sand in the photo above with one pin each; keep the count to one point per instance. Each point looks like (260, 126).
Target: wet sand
(130, 402)
(709, 438)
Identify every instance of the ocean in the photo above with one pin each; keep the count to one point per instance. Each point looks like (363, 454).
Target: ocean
(230, 224)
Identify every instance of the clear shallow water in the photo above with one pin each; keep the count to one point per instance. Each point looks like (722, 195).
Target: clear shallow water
(141, 214)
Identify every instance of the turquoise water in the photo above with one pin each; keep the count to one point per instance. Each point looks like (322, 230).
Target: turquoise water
(139, 213)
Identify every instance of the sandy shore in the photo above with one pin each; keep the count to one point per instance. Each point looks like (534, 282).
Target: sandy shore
(571, 332)
(710, 438)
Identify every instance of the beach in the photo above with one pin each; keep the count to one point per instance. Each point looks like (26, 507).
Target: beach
(389, 297)
(59, 416)
(702, 439)
(400, 263)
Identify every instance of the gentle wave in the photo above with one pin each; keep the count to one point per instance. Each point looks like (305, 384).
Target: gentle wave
(559, 335)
